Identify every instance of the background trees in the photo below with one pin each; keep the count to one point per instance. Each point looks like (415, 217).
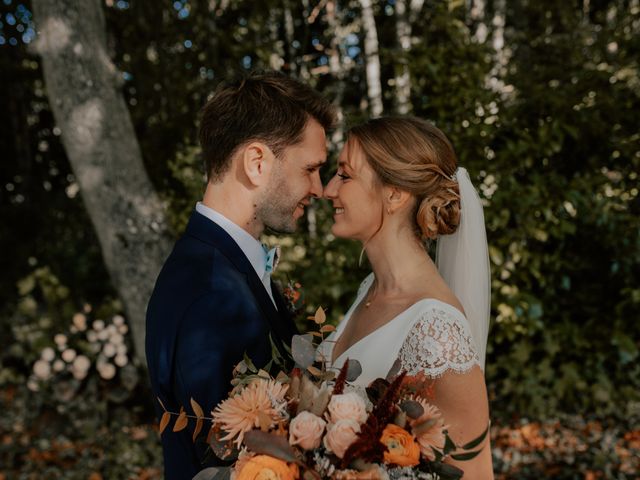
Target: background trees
(539, 99)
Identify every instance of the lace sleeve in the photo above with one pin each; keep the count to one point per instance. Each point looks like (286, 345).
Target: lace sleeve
(439, 341)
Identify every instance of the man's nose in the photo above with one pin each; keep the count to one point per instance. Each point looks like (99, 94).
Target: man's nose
(316, 186)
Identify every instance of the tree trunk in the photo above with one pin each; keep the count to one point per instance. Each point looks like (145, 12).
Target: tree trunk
(478, 22)
(83, 89)
(289, 30)
(404, 21)
(372, 59)
(501, 57)
(336, 33)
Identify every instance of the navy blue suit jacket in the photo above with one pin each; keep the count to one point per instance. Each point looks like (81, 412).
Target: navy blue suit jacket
(207, 309)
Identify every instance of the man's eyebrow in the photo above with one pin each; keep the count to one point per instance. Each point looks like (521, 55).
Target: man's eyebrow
(318, 164)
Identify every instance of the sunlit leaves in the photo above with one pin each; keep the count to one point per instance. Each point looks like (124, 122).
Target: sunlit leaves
(164, 421)
(197, 409)
(181, 422)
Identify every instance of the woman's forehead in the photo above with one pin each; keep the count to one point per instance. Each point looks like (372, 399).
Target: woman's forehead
(352, 155)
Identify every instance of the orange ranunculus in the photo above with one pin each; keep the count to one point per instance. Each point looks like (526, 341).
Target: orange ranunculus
(264, 467)
(402, 449)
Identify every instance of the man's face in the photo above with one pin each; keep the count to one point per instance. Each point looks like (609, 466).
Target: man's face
(294, 180)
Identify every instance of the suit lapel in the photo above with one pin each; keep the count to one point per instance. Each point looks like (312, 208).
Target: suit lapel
(209, 232)
(284, 312)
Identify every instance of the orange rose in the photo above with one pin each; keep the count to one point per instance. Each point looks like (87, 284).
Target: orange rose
(402, 450)
(264, 467)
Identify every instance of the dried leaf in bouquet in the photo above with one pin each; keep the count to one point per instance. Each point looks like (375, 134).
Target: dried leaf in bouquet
(164, 421)
(319, 317)
(308, 394)
(181, 421)
(376, 389)
(223, 449)
(197, 410)
(270, 444)
(320, 401)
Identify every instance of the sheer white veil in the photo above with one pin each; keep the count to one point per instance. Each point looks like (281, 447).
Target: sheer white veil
(463, 261)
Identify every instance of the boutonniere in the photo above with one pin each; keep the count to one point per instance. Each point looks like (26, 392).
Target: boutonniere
(294, 297)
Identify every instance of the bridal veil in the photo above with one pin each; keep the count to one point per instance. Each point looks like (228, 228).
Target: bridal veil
(463, 261)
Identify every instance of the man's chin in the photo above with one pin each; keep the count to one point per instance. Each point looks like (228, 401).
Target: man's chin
(281, 228)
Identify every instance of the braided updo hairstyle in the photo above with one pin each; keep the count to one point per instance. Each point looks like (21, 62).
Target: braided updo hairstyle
(415, 156)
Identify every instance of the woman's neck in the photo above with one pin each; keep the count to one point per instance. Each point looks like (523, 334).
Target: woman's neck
(398, 261)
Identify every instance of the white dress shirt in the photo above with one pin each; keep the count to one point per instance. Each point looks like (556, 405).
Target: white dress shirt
(251, 247)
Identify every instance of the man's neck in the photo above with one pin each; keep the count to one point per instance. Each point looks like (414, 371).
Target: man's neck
(235, 203)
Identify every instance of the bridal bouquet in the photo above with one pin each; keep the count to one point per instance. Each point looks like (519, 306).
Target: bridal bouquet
(313, 424)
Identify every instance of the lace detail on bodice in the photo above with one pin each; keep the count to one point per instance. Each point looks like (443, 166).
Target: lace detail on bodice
(438, 341)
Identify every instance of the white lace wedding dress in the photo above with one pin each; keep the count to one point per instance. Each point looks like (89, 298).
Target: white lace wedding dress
(430, 337)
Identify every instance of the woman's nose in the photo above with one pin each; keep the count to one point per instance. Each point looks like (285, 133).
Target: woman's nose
(330, 189)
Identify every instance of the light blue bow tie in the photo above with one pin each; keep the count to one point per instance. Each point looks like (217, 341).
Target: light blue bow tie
(273, 257)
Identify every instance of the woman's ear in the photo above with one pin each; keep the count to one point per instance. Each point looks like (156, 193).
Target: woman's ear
(396, 199)
(257, 160)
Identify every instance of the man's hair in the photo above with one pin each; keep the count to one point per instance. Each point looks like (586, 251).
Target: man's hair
(265, 106)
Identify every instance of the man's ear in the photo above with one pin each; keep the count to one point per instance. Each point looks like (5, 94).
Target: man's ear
(257, 160)
(395, 199)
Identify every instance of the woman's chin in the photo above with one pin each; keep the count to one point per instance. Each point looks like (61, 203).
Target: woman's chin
(339, 232)
(335, 230)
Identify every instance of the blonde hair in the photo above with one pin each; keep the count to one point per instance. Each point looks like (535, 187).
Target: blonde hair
(415, 156)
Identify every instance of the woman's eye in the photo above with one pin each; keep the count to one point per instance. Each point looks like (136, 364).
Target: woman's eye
(343, 176)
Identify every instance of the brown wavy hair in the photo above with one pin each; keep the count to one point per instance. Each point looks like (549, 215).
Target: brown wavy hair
(415, 156)
(266, 106)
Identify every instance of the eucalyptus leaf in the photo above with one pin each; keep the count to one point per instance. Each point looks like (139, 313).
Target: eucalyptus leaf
(354, 370)
(303, 351)
(412, 408)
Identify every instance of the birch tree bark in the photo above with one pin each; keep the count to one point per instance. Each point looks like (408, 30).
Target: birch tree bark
(404, 20)
(336, 32)
(372, 59)
(98, 136)
(290, 36)
(501, 57)
(477, 16)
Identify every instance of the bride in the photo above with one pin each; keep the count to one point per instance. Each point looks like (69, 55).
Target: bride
(397, 187)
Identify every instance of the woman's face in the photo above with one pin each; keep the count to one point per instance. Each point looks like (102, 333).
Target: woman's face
(356, 200)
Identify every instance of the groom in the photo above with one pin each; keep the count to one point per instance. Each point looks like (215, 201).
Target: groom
(263, 143)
